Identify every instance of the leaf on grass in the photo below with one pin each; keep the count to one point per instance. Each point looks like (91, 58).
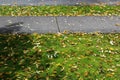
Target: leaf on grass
(103, 56)
(111, 70)
(110, 74)
(86, 73)
(25, 51)
(118, 65)
(111, 42)
(111, 49)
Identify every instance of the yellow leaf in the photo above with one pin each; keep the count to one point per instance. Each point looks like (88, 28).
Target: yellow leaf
(86, 73)
(111, 48)
(110, 75)
(117, 24)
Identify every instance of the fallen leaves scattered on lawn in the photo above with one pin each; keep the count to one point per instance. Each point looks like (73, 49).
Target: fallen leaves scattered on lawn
(60, 56)
(89, 10)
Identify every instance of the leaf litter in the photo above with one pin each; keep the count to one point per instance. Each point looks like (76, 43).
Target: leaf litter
(60, 56)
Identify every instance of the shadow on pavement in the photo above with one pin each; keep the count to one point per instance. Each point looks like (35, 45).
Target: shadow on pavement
(11, 28)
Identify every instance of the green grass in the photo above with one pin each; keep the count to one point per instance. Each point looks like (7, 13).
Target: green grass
(62, 56)
(89, 10)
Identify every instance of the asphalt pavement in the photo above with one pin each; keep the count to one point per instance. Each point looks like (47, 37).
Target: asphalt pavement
(57, 2)
(103, 24)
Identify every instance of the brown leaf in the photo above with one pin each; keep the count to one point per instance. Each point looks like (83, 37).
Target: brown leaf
(117, 24)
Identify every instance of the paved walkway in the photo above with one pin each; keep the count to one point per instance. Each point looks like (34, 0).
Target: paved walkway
(59, 24)
(56, 2)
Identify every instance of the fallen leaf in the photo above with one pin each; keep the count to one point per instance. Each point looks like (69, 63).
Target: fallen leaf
(117, 24)
(110, 75)
(86, 73)
(111, 42)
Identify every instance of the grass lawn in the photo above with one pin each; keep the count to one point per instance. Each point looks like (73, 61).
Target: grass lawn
(89, 10)
(62, 56)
